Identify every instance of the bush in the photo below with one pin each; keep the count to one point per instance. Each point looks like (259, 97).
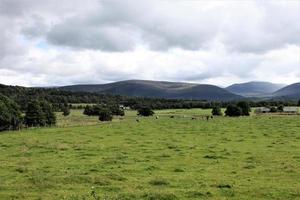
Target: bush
(145, 111)
(233, 111)
(105, 115)
(216, 110)
(10, 114)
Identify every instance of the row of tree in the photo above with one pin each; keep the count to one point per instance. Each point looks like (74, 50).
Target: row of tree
(105, 112)
(37, 114)
(241, 108)
(57, 98)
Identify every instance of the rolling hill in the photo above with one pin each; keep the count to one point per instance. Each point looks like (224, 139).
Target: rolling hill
(289, 92)
(254, 89)
(158, 89)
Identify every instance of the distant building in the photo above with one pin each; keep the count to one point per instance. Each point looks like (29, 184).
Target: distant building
(262, 110)
(291, 109)
(124, 107)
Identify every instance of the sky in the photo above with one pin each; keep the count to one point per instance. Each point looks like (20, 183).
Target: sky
(221, 42)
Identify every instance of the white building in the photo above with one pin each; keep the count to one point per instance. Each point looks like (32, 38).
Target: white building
(291, 109)
(262, 110)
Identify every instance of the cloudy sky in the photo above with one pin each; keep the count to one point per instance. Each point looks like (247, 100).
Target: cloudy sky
(60, 42)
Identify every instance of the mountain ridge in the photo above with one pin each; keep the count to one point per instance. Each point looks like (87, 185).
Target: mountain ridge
(158, 89)
(254, 88)
(291, 91)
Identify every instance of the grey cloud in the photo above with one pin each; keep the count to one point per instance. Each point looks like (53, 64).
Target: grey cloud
(123, 25)
(109, 38)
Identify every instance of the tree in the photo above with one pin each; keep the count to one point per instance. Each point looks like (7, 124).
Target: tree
(280, 108)
(299, 102)
(48, 112)
(116, 110)
(34, 115)
(105, 114)
(216, 110)
(39, 113)
(273, 109)
(245, 107)
(145, 111)
(10, 114)
(66, 111)
(233, 111)
(88, 110)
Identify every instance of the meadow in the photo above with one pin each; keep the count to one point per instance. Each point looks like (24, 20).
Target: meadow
(256, 157)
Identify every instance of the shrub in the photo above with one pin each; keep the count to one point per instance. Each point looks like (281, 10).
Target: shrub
(233, 111)
(145, 111)
(216, 110)
(10, 114)
(105, 115)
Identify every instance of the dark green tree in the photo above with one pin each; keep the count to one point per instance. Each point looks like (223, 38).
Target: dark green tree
(88, 110)
(39, 113)
(105, 114)
(245, 107)
(145, 111)
(116, 110)
(34, 115)
(216, 110)
(66, 111)
(299, 102)
(10, 114)
(48, 112)
(273, 109)
(280, 108)
(233, 111)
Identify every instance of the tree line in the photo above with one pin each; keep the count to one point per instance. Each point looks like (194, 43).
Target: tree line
(37, 114)
(22, 95)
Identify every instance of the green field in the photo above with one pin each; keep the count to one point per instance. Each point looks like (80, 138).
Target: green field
(255, 157)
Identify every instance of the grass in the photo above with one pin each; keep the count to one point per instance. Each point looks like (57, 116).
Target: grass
(255, 157)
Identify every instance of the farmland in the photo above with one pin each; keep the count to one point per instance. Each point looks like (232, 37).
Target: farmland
(256, 157)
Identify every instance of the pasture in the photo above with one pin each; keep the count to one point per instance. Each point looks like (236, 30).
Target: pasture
(255, 157)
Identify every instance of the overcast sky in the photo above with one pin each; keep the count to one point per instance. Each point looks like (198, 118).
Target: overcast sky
(60, 42)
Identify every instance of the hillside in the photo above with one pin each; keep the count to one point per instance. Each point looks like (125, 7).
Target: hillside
(289, 92)
(254, 89)
(158, 89)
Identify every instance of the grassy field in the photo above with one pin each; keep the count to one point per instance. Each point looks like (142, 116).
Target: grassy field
(255, 157)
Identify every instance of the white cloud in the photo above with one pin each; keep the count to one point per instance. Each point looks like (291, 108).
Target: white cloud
(61, 42)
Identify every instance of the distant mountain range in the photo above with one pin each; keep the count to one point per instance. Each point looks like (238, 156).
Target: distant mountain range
(289, 92)
(179, 90)
(254, 89)
(159, 89)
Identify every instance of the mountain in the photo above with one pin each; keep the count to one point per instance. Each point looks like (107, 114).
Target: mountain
(254, 89)
(289, 92)
(158, 89)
